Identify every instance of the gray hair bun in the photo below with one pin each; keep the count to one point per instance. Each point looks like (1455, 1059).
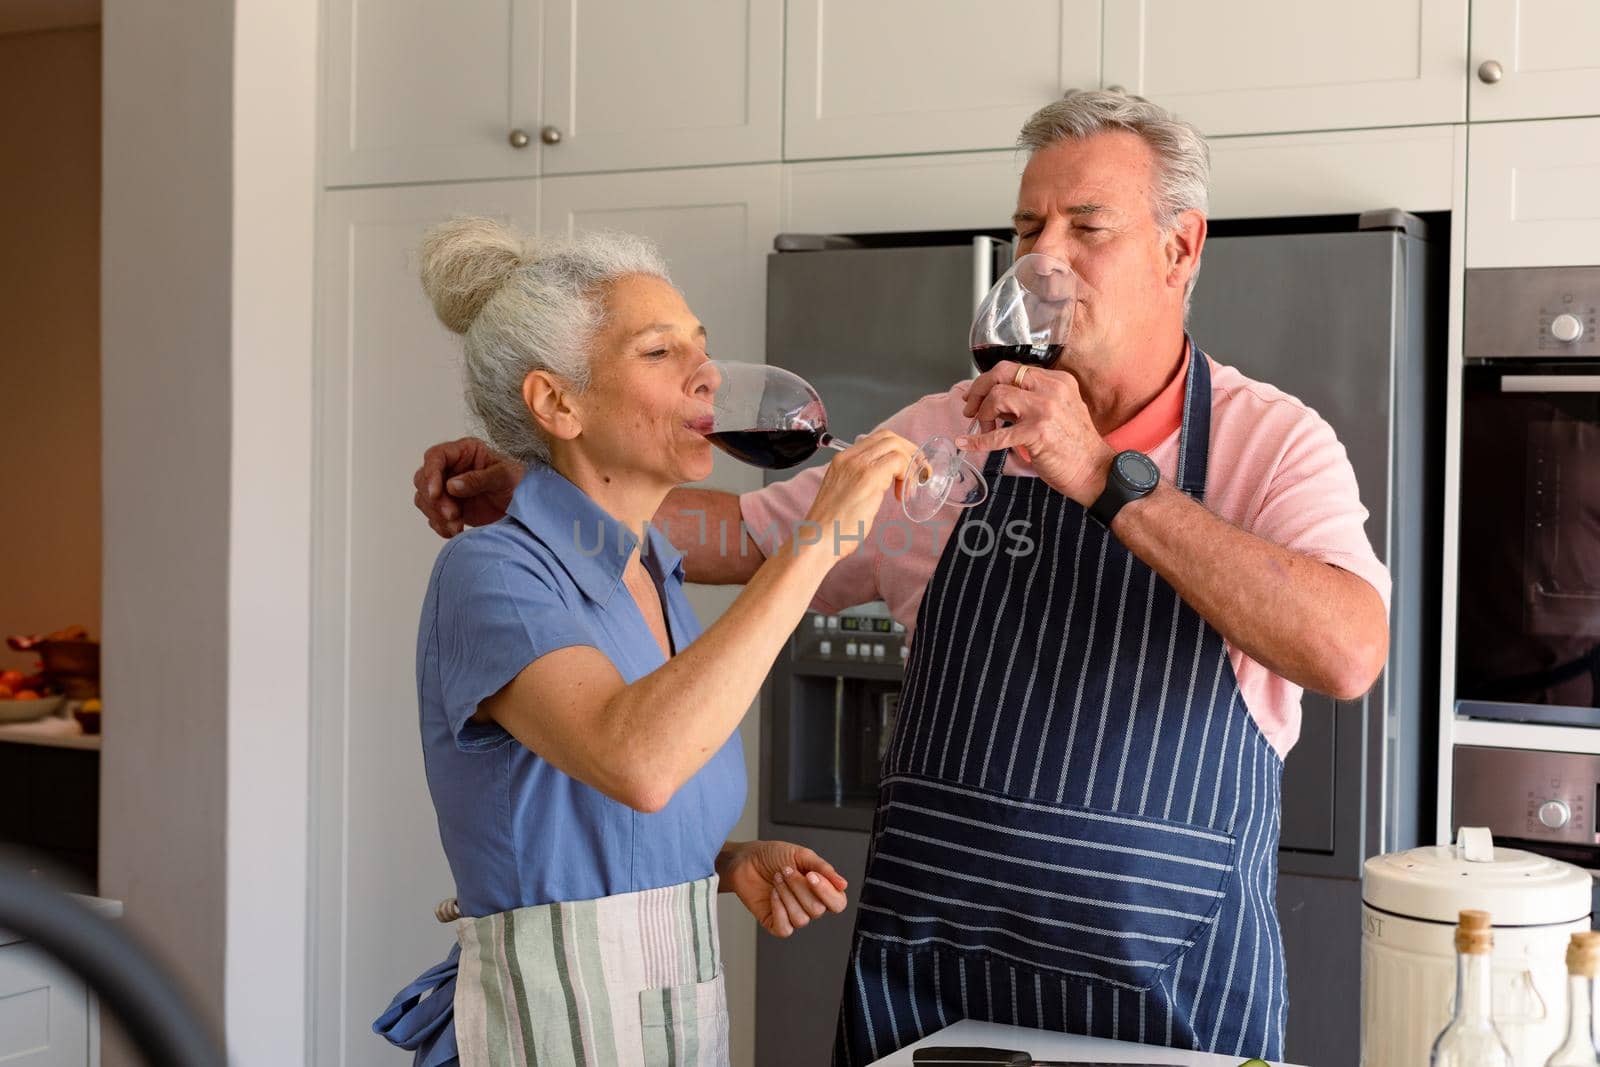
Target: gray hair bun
(464, 263)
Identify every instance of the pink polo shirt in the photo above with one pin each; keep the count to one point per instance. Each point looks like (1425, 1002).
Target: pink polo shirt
(1276, 470)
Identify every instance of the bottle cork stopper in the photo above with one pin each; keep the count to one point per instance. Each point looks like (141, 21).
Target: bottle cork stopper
(1583, 954)
(1474, 934)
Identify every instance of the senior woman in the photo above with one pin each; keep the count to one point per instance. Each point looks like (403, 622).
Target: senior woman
(579, 730)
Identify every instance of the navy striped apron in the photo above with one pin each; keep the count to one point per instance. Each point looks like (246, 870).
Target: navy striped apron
(1077, 827)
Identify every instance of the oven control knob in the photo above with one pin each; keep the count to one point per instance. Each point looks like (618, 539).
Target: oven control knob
(1554, 814)
(1566, 328)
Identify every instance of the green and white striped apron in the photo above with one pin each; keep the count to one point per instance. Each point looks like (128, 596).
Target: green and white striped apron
(633, 979)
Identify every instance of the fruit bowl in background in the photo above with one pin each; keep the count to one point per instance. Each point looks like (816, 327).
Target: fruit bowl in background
(70, 660)
(29, 710)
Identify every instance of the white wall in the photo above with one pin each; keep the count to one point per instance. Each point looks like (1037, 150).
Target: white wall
(165, 382)
(208, 216)
(269, 626)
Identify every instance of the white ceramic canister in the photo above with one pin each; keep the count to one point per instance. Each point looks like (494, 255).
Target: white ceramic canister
(1410, 902)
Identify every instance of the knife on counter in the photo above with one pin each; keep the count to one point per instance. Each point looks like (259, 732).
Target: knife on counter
(973, 1056)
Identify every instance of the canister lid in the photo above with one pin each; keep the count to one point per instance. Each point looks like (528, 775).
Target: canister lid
(1437, 883)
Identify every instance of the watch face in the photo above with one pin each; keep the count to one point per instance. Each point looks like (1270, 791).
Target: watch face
(1136, 470)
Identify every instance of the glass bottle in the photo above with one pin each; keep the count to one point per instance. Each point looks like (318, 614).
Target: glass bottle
(1583, 961)
(1470, 1039)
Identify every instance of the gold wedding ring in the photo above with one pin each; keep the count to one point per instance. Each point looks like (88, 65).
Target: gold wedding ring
(1016, 379)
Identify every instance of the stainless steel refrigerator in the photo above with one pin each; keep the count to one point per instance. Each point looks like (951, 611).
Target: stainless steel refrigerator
(1341, 312)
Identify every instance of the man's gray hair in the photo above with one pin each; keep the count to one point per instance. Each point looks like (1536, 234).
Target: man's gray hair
(1183, 161)
(524, 306)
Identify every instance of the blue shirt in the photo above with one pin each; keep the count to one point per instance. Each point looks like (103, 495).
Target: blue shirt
(517, 831)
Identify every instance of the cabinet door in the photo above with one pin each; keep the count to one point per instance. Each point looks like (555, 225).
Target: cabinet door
(1530, 193)
(1545, 58)
(389, 384)
(632, 85)
(430, 92)
(44, 1012)
(1266, 66)
(901, 76)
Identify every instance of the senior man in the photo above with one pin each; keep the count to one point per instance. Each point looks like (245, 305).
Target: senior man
(1077, 827)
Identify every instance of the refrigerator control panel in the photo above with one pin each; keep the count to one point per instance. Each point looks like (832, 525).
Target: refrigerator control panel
(851, 637)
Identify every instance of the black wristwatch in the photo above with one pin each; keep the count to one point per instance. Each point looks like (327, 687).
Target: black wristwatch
(1131, 476)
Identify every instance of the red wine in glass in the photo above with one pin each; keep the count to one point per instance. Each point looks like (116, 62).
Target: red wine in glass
(764, 415)
(988, 356)
(773, 449)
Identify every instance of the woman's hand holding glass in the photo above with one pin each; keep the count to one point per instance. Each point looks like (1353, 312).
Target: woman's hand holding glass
(853, 489)
(784, 885)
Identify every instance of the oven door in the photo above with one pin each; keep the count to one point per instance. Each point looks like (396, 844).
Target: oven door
(1528, 638)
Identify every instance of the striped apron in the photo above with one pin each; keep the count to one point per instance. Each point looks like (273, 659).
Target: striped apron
(633, 979)
(1077, 826)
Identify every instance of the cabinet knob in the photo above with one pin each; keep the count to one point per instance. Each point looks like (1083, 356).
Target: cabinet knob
(550, 135)
(518, 138)
(1490, 71)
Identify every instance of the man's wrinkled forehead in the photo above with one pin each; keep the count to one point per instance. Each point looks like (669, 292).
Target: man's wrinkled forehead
(1104, 174)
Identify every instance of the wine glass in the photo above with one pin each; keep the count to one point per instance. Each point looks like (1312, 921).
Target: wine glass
(770, 417)
(1025, 318)
(766, 416)
(1027, 315)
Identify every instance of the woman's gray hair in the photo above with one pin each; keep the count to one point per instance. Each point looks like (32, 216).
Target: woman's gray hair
(1183, 159)
(523, 306)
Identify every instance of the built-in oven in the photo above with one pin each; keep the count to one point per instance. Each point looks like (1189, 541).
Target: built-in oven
(1542, 801)
(1528, 600)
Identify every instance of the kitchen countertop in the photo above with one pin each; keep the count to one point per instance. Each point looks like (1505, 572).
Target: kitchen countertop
(54, 731)
(1044, 1045)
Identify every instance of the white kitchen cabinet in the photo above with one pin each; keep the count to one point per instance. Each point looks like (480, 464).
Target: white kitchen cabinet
(1268, 66)
(964, 191)
(633, 85)
(44, 1012)
(904, 76)
(430, 92)
(1335, 172)
(1535, 59)
(509, 88)
(1531, 193)
(388, 384)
